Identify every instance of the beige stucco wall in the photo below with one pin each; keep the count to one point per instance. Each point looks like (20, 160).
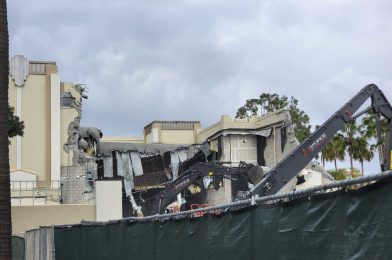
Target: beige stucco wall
(109, 200)
(273, 151)
(12, 102)
(254, 122)
(69, 88)
(148, 138)
(177, 137)
(123, 139)
(34, 142)
(67, 116)
(171, 136)
(12, 154)
(30, 217)
(238, 148)
(40, 105)
(11, 92)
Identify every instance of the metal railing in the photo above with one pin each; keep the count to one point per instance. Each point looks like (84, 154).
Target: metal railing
(16, 185)
(25, 193)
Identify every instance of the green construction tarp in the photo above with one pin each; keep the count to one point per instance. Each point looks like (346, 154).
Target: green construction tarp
(18, 248)
(343, 225)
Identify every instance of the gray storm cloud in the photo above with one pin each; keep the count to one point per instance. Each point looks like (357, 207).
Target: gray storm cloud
(197, 60)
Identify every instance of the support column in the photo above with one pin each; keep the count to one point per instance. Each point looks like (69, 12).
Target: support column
(19, 138)
(55, 134)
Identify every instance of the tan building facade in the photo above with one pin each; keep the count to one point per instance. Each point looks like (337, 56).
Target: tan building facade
(34, 92)
(171, 132)
(53, 162)
(51, 112)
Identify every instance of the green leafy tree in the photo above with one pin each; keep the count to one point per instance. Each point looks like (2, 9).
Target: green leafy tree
(15, 125)
(339, 174)
(342, 173)
(272, 102)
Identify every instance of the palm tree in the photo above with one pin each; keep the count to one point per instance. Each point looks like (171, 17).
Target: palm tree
(350, 133)
(370, 131)
(334, 150)
(326, 153)
(363, 151)
(5, 203)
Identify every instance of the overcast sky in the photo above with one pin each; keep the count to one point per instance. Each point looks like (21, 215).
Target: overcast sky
(197, 60)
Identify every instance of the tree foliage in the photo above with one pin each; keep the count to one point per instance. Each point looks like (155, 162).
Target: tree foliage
(350, 135)
(334, 150)
(15, 125)
(352, 140)
(342, 173)
(370, 126)
(370, 131)
(272, 102)
(363, 151)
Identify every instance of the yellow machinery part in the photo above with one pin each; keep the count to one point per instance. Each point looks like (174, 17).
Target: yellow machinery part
(390, 161)
(193, 189)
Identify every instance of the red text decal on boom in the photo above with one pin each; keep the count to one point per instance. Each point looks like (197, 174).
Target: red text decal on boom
(319, 141)
(181, 184)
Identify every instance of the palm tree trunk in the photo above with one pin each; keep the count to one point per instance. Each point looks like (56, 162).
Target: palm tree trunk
(362, 168)
(350, 153)
(351, 163)
(336, 166)
(5, 203)
(380, 156)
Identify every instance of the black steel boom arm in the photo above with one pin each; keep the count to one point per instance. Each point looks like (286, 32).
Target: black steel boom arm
(194, 176)
(293, 163)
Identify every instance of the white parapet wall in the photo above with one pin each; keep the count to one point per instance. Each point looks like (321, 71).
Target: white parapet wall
(108, 199)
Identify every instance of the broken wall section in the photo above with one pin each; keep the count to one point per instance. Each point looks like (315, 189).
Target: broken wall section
(143, 168)
(262, 141)
(78, 157)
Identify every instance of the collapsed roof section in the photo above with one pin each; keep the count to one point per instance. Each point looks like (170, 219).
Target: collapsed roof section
(160, 158)
(106, 148)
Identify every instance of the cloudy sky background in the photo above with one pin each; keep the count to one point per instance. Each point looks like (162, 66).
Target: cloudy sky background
(197, 60)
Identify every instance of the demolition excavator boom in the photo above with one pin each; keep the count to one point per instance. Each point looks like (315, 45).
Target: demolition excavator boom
(292, 164)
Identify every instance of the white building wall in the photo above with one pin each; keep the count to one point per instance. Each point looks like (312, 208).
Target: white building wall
(273, 151)
(108, 200)
(55, 132)
(243, 148)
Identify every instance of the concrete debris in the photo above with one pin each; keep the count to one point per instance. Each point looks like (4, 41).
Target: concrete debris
(108, 167)
(136, 163)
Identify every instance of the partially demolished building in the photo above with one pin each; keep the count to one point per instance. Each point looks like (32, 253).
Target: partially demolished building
(58, 162)
(146, 166)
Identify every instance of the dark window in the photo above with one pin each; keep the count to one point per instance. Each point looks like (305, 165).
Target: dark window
(261, 145)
